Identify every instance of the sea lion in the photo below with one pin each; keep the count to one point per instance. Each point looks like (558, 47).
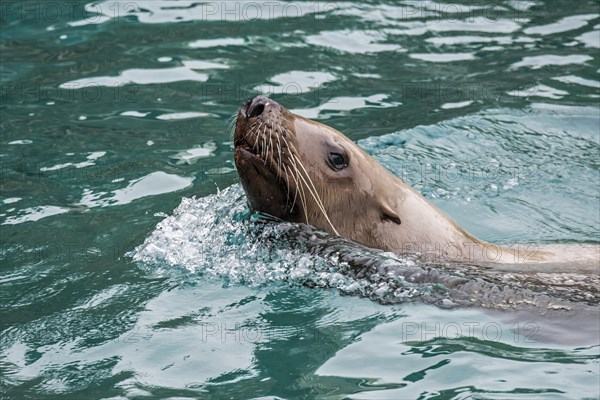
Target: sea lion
(298, 170)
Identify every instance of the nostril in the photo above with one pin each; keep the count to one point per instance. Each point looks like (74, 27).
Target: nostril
(256, 110)
(257, 106)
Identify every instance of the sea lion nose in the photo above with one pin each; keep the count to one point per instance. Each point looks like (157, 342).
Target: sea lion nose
(258, 105)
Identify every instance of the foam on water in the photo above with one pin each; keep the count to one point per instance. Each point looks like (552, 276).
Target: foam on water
(216, 237)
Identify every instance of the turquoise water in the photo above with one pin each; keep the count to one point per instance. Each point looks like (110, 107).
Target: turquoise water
(131, 267)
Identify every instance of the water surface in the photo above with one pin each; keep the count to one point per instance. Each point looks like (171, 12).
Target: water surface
(114, 120)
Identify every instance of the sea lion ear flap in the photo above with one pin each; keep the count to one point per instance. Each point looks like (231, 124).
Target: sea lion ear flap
(390, 214)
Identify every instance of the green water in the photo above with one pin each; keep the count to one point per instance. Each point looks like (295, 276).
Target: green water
(112, 112)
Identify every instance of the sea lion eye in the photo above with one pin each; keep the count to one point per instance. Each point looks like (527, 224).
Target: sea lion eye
(337, 161)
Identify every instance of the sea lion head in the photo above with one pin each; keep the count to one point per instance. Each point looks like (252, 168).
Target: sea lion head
(299, 170)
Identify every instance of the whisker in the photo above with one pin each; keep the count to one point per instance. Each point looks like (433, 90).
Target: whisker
(263, 152)
(302, 196)
(278, 158)
(315, 193)
(285, 140)
(254, 132)
(287, 184)
(279, 149)
(300, 189)
(270, 147)
(231, 123)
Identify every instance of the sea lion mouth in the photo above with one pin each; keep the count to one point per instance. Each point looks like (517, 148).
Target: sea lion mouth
(261, 144)
(250, 152)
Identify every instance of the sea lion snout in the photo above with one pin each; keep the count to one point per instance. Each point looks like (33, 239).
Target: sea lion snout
(263, 143)
(259, 105)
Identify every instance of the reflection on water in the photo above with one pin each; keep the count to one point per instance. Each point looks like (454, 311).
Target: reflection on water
(113, 111)
(188, 72)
